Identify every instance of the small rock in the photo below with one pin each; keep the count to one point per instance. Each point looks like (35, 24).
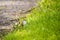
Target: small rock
(23, 22)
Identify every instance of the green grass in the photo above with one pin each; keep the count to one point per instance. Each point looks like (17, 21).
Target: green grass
(43, 23)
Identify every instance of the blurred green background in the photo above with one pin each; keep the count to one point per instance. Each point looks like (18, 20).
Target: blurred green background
(43, 23)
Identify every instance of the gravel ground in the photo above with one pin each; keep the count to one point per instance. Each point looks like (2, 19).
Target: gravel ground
(10, 11)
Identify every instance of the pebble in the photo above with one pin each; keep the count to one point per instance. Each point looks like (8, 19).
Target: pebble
(23, 22)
